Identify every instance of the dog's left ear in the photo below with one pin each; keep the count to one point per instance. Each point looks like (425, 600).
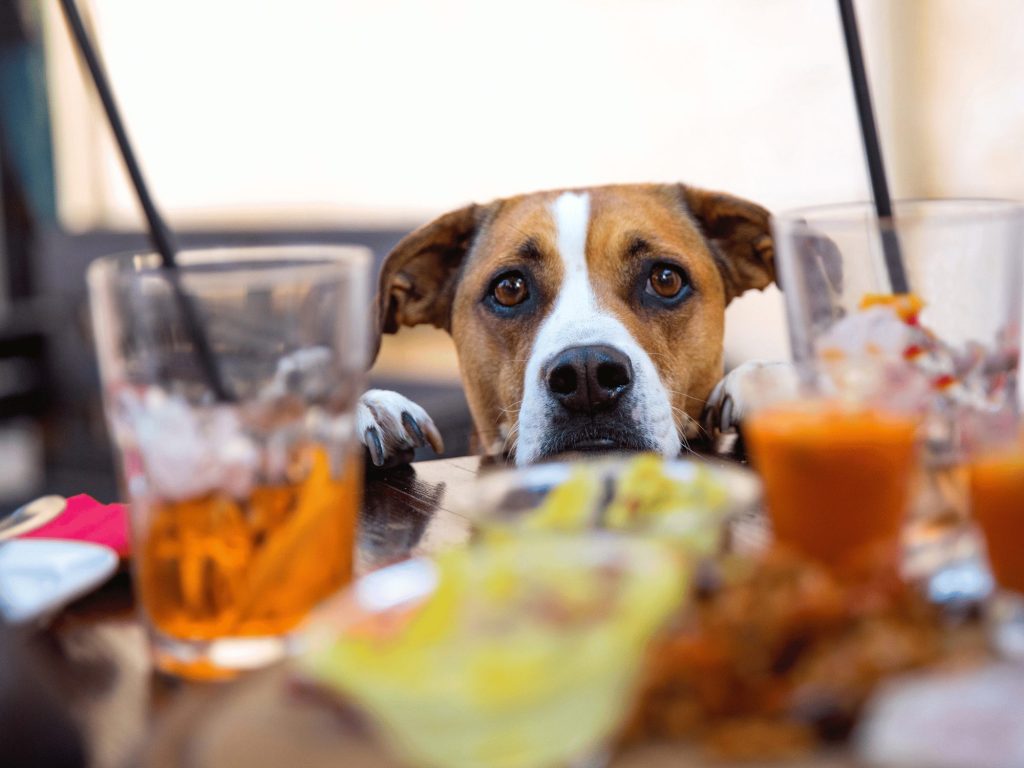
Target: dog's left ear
(740, 235)
(418, 277)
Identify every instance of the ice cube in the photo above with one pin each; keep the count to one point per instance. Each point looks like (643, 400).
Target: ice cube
(189, 451)
(306, 372)
(877, 331)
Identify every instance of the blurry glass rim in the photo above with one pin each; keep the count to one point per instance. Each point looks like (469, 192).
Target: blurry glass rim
(861, 381)
(937, 211)
(269, 263)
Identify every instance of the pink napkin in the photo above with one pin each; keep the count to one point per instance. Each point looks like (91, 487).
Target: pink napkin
(85, 519)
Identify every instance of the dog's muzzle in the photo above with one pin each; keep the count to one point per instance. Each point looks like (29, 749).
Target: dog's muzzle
(589, 386)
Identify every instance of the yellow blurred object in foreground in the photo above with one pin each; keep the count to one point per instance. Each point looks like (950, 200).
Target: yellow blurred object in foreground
(646, 500)
(524, 654)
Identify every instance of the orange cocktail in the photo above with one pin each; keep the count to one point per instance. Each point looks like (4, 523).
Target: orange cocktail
(837, 480)
(217, 566)
(997, 503)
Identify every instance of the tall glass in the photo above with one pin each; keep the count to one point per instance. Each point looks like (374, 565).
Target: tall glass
(958, 327)
(836, 447)
(243, 508)
(960, 324)
(996, 493)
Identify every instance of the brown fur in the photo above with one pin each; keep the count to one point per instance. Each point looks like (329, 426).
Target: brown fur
(440, 273)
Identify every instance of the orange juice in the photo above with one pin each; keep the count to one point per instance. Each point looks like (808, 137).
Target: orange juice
(997, 503)
(837, 481)
(217, 566)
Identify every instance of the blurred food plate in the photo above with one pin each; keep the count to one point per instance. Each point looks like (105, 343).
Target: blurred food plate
(520, 654)
(265, 721)
(686, 500)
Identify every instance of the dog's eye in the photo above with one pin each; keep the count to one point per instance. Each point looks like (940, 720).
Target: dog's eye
(666, 281)
(510, 289)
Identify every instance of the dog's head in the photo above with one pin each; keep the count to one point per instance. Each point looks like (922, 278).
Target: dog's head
(589, 319)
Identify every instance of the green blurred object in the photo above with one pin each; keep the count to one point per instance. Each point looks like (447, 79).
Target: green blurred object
(522, 653)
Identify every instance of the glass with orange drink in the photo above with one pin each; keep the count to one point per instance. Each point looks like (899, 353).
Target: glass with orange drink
(244, 502)
(995, 471)
(946, 304)
(837, 460)
(997, 503)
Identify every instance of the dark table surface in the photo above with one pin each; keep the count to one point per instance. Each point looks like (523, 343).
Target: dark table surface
(96, 656)
(93, 661)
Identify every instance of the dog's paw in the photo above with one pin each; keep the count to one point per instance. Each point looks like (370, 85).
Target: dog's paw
(732, 397)
(392, 427)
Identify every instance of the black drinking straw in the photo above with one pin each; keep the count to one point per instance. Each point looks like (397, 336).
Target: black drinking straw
(873, 150)
(159, 233)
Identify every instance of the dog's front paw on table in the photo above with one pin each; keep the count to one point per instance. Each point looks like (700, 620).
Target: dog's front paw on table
(392, 427)
(733, 396)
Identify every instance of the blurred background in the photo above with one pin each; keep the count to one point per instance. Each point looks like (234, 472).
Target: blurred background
(317, 120)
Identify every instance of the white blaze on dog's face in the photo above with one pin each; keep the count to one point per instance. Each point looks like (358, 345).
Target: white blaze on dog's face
(577, 321)
(584, 320)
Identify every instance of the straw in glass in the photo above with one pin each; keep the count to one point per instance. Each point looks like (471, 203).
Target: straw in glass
(873, 150)
(159, 232)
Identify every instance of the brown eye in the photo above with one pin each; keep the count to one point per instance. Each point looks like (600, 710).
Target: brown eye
(510, 289)
(666, 281)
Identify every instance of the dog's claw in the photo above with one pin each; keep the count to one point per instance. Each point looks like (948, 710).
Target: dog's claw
(413, 429)
(433, 436)
(725, 414)
(371, 437)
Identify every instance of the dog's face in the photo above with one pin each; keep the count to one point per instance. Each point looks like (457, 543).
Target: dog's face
(584, 320)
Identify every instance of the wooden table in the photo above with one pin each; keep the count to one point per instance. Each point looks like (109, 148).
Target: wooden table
(97, 649)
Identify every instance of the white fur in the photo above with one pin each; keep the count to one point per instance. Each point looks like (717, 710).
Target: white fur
(577, 319)
(383, 409)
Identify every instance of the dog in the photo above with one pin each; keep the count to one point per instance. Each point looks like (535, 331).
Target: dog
(585, 320)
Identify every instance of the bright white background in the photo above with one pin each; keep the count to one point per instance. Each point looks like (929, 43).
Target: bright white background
(391, 110)
(386, 112)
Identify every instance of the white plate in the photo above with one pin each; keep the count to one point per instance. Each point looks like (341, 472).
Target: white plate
(40, 576)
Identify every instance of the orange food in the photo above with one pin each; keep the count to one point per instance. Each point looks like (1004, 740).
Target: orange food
(216, 566)
(780, 656)
(906, 305)
(836, 481)
(997, 502)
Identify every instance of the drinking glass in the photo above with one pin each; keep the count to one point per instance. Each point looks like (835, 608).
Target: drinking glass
(836, 447)
(960, 325)
(244, 502)
(996, 483)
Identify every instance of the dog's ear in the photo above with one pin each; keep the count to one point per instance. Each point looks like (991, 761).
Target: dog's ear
(418, 277)
(740, 235)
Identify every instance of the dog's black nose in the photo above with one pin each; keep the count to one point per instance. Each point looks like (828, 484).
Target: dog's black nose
(589, 379)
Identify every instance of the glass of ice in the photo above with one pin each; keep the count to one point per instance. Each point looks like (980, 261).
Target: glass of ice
(244, 503)
(959, 323)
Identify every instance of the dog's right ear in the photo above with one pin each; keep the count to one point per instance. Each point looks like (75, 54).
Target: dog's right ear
(418, 277)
